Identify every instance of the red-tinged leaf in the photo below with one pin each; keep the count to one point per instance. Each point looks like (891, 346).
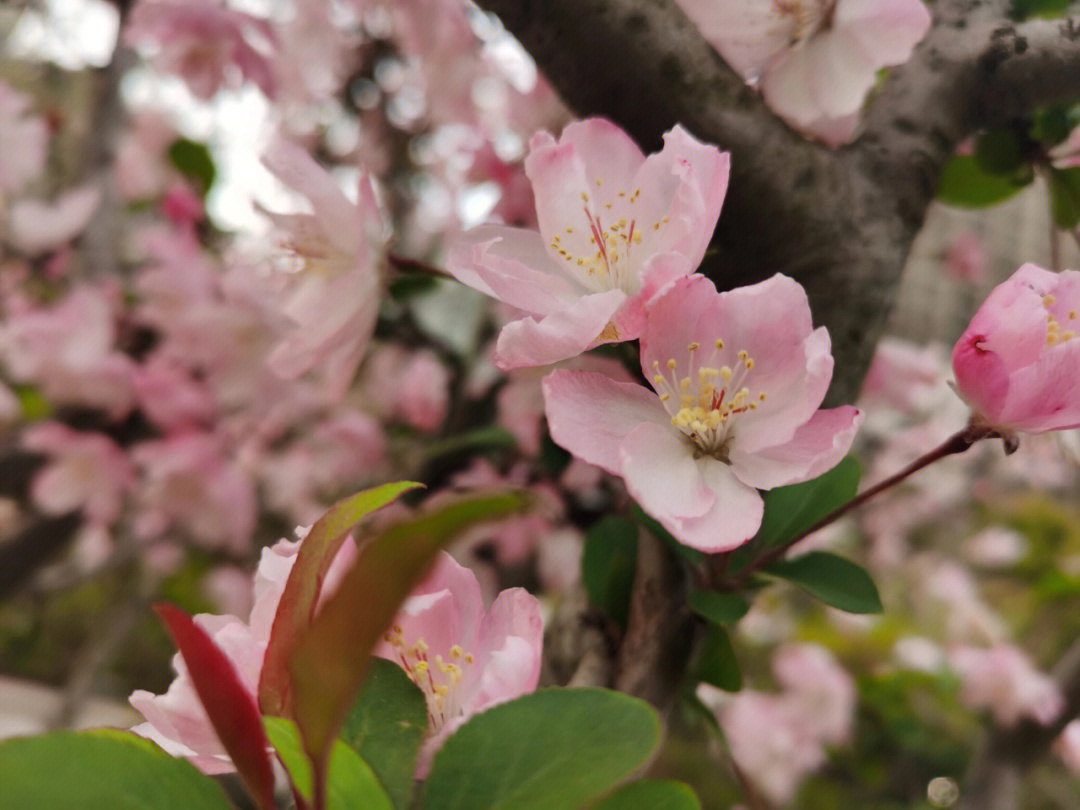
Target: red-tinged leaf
(297, 606)
(231, 708)
(331, 660)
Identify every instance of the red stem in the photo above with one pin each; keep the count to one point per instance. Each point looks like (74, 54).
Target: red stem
(957, 443)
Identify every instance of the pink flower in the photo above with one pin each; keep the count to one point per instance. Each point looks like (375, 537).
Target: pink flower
(814, 60)
(615, 227)
(966, 258)
(464, 659)
(24, 140)
(1003, 680)
(1017, 364)
(202, 41)
(408, 386)
(738, 377)
(37, 227)
(176, 720)
(335, 296)
(86, 471)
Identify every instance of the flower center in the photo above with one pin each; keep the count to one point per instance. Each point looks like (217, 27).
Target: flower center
(708, 406)
(808, 17)
(1054, 333)
(603, 255)
(437, 678)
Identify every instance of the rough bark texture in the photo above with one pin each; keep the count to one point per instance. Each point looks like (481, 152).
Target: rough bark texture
(840, 222)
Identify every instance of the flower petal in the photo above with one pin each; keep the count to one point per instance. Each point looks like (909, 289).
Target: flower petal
(660, 472)
(734, 518)
(558, 336)
(816, 447)
(589, 414)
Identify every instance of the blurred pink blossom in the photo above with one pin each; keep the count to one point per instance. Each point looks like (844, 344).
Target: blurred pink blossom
(814, 60)
(36, 227)
(966, 259)
(205, 43)
(1002, 679)
(24, 141)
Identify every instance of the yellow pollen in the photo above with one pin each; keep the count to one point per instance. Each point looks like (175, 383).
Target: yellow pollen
(397, 629)
(442, 691)
(1072, 314)
(584, 197)
(456, 651)
(421, 645)
(743, 355)
(694, 346)
(665, 397)
(469, 658)
(761, 396)
(598, 183)
(685, 384)
(749, 361)
(725, 372)
(719, 343)
(1049, 300)
(421, 667)
(671, 364)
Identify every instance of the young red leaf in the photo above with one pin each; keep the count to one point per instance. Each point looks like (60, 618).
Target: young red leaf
(230, 707)
(297, 606)
(331, 660)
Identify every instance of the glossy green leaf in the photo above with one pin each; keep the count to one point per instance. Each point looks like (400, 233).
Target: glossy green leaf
(790, 511)
(330, 661)
(1022, 9)
(386, 726)
(608, 563)
(194, 162)
(964, 185)
(717, 664)
(718, 608)
(553, 749)
(351, 785)
(832, 579)
(92, 770)
(651, 794)
(1065, 197)
(296, 607)
(1052, 125)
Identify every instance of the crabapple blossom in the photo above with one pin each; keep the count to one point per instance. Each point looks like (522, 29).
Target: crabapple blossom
(463, 658)
(1018, 363)
(814, 60)
(335, 296)
(738, 378)
(23, 141)
(614, 228)
(202, 41)
(1003, 679)
(36, 227)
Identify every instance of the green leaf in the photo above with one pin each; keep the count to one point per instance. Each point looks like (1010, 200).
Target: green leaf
(33, 403)
(386, 726)
(718, 608)
(834, 580)
(1051, 125)
(790, 511)
(964, 185)
(194, 162)
(653, 794)
(608, 563)
(998, 151)
(331, 659)
(1022, 9)
(1065, 197)
(718, 665)
(297, 604)
(352, 784)
(553, 749)
(91, 770)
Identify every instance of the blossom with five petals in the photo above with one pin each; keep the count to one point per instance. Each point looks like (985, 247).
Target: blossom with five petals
(1018, 362)
(463, 658)
(814, 60)
(738, 378)
(615, 228)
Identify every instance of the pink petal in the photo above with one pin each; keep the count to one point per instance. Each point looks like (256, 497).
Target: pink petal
(509, 645)
(560, 335)
(299, 170)
(1045, 395)
(734, 518)
(981, 375)
(816, 447)
(660, 472)
(513, 265)
(886, 29)
(747, 33)
(609, 154)
(589, 414)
